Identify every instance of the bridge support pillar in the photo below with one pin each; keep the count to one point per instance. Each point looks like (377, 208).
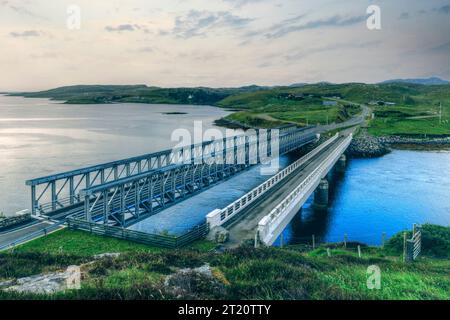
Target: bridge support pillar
(321, 194)
(341, 164)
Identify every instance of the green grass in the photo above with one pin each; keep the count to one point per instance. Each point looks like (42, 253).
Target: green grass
(80, 243)
(405, 126)
(412, 101)
(242, 273)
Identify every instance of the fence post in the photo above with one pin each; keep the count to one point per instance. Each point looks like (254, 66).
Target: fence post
(313, 242)
(404, 246)
(256, 239)
(345, 240)
(281, 240)
(359, 251)
(328, 252)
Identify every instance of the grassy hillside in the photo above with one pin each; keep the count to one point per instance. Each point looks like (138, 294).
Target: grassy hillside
(95, 94)
(415, 112)
(244, 273)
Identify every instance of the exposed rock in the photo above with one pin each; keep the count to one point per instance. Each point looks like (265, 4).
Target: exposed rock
(393, 140)
(42, 283)
(366, 146)
(107, 255)
(219, 235)
(187, 283)
(9, 222)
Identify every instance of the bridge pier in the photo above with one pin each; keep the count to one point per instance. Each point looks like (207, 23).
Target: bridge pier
(341, 164)
(321, 194)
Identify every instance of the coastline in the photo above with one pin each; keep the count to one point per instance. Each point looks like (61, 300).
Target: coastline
(368, 146)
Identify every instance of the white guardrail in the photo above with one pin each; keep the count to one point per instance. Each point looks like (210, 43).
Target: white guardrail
(270, 222)
(218, 217)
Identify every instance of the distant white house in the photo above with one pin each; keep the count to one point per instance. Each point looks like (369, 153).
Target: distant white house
(381, 103)
(329, 103)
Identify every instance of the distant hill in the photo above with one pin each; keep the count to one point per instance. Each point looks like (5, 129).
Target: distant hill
(95, 94)
(425, 81)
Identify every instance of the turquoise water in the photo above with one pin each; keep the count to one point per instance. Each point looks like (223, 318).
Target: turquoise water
(386, 194)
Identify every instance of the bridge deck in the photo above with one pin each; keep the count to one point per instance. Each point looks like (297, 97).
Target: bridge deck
(245, 227)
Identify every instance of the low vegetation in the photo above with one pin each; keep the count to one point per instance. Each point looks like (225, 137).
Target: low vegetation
(141, 272)
(399, 108)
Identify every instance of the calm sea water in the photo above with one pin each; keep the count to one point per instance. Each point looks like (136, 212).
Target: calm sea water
(39, 137)
(386, 194)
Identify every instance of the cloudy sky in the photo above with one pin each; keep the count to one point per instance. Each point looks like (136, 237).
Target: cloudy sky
(219, 43)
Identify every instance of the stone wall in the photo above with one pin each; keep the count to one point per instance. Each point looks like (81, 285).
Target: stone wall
(367, 146)
(6, 222)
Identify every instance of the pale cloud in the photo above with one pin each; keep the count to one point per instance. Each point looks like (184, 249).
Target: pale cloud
(241, 3)
(198, 23)
(25, 34)
(444, 9)
(334, 21)
(121, 27)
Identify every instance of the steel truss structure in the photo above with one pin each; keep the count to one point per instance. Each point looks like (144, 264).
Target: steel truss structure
(124, 191)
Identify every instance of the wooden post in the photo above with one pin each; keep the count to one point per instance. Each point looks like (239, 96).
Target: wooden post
(281, 240)
(328, 252)
(404, 246)
(359, 251)
(313, 241)
(345, 240)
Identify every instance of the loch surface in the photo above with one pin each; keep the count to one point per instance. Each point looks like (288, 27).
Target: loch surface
(39, 137)
(386, 194)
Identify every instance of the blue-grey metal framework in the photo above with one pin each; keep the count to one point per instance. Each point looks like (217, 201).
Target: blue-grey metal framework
(153, 180)
(128, 200)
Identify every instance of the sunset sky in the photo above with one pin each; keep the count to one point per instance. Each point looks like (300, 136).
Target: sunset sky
(220, 43)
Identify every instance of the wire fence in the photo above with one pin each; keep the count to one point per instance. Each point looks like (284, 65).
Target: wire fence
(154, 239)
(312, 242)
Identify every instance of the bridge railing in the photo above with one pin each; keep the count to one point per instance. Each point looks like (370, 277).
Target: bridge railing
(270, 222)
(222, 216)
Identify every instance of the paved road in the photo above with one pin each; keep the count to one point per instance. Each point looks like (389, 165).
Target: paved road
(245, 228)
(357, 120)
(27, 233)
(9, 237)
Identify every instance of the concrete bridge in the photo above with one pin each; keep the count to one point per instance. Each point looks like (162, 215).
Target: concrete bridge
(263, 213)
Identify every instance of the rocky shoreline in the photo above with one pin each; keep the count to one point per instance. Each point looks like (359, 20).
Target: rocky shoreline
(367, 146)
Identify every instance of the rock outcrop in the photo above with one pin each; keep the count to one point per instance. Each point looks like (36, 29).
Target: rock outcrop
(366, 146)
